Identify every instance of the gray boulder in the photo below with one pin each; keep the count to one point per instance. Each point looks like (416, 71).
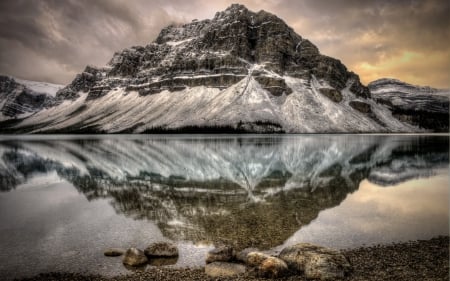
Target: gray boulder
(256, 258)
(265, 265)
(272, 267)
(316, 262)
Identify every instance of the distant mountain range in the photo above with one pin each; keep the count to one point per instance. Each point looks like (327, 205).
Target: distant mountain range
(238, 72)
(21, 98)
(424, 107)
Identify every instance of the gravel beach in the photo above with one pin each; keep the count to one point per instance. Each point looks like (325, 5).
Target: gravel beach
(417, 260)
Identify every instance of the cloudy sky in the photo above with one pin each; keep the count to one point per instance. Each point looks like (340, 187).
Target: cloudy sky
(53, 40)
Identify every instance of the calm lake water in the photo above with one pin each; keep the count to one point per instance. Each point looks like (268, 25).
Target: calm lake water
(64, 199)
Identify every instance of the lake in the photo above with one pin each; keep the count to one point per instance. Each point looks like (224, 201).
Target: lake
(65, 199)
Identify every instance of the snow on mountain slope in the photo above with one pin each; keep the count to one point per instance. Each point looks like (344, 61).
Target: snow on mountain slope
(307, 110)
(41, 87)
(240, 71)
(304, 110)
(417, 105)
(411, 96)
(21, 98)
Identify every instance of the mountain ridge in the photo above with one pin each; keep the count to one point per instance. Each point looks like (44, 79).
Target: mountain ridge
(419, 105)
(21, 98)
(240, 71)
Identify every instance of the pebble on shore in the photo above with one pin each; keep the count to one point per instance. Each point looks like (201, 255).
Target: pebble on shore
(316, 262)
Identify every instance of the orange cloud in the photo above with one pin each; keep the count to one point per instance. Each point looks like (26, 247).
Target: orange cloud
(413, 67)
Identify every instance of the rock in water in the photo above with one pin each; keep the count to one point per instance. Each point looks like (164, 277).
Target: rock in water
(162, 250)
(243, 254)
(220, 254)
(316, 262)
(224, 269)
(272, 267)
(266, 265)
(256, 258)
(134, 257)
(114, 252)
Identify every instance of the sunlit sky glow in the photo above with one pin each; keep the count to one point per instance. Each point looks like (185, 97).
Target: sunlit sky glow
(52, 40)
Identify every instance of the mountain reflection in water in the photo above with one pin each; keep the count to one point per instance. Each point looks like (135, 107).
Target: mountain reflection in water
(242, 190)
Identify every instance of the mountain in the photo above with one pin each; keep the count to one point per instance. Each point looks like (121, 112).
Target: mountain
(420, 106)
(21, 98)
(238, 72)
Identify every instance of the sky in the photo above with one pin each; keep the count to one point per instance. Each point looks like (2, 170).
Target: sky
(53, 40)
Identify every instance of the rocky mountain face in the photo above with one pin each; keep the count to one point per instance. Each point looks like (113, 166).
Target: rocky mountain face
(241, 71)
(21, 98)
(217, 53)
(425, 107)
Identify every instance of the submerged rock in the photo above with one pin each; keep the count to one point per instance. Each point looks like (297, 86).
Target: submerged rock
(224, 254)
(114, 252)
(224, 269)
(134, 257)
(163, 261)
(161, 249)
(316, 262)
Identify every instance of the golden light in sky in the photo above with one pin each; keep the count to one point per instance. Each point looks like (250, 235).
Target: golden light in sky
(54, 40)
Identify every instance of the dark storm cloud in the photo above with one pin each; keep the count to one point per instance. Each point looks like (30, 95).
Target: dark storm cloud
(68, 35)
(54, 40)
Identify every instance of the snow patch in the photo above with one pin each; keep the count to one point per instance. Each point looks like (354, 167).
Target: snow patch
(176, 43)
(41, 87)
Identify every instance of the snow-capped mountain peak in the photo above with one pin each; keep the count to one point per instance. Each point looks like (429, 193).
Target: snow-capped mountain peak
(240, 71)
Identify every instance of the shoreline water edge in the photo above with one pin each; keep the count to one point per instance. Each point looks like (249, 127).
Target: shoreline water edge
(413, 260)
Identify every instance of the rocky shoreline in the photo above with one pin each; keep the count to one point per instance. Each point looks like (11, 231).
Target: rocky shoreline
(416, 260)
